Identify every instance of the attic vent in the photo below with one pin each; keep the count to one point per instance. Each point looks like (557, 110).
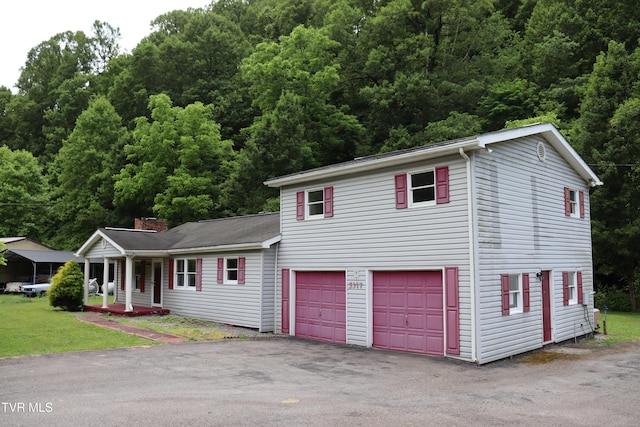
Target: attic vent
(541, 151)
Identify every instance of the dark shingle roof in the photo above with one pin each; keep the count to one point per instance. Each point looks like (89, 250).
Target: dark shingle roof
(202, 234)
(227, 231)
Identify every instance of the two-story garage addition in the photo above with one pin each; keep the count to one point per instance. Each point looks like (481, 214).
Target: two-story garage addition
(477, 248)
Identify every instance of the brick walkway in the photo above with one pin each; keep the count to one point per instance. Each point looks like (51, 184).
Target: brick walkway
(129, 329)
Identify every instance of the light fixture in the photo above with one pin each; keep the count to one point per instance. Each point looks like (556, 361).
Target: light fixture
(539, 275)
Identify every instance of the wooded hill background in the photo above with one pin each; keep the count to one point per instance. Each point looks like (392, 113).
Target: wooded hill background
(215, 101)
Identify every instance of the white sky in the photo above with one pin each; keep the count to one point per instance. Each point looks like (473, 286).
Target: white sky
(26, 23)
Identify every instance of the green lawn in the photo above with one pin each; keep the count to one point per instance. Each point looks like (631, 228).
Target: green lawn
(31, 326)
(621, 327)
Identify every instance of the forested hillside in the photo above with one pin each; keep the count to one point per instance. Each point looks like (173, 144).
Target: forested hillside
(213, 102)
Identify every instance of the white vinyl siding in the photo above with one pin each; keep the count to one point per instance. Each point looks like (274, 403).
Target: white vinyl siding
(522, 226)
(235, 305)
(368, 233)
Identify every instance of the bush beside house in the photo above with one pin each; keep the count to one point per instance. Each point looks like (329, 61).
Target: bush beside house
(66, 289)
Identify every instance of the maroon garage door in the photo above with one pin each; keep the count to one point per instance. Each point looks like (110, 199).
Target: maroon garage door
(407, 311)
(321, 306)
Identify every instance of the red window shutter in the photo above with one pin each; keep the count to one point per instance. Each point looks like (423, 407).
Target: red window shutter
(300, 205)
(453, 310)
(328, 202)
(142, 264)
(220, 270)
(123, 273)
(565, 288)
(402, 201)
(241, 264)
(504, 282)
(199, 274)
(442, 184)
(579, 279)
(285, 300)
(171, 268)
(526, 296)
(581, 204)
(567, 201)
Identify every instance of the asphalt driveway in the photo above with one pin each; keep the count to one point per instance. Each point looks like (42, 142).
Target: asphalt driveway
(279, 381)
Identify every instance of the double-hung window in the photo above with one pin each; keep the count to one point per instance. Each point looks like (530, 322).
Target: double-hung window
(422, 190)
(572, 287)
(185, 273)
(314, 203)
(573, 203)
(515, 293)
(231, 270)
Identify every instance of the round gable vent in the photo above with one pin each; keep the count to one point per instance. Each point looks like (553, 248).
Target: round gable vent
(541, 151)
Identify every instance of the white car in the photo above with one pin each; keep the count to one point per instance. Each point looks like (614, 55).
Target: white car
(37, 289)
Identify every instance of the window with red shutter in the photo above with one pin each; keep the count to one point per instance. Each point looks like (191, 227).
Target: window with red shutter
(299, 206)
(171, 270)
(402, 200)
(199, 274)
(442, 184)
(504, 282)
(582, 204)
(565, 288)
(241, 270)
(525, 293)
(580, 290)
(220, 270)
(328, 202)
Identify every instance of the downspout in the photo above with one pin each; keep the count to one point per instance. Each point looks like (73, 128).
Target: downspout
(472, 254)
(275, 291)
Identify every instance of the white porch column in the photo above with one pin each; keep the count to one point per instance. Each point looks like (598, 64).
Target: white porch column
(87, 272)
(105, 283)
(128, 285)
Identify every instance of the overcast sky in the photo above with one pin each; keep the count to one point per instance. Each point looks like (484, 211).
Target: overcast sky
(26, 23)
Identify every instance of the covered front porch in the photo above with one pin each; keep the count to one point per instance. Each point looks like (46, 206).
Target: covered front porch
(120, 310)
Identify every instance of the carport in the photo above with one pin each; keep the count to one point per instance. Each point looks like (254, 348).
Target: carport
(34, 266)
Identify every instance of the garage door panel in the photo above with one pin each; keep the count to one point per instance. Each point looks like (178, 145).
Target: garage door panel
(321, 306)
(407, 312)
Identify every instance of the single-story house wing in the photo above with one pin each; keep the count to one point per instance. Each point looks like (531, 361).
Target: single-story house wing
(220, 270)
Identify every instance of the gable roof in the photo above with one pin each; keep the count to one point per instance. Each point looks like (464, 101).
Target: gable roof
(234, 233)
(362, 164)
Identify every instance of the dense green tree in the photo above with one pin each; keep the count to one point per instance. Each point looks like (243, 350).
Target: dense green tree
(607, 134)
(81, 176)
(23, 194)
(176, 164)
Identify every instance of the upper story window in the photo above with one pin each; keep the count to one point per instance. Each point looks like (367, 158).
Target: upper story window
(314, 203)
(573, 203)
(422, 188)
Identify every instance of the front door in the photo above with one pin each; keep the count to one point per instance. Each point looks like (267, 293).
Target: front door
(157, 283)
(546, 306)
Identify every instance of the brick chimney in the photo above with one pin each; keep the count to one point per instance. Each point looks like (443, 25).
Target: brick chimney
(159, 225)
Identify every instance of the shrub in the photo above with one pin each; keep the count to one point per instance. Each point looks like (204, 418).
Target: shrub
(66, 289)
